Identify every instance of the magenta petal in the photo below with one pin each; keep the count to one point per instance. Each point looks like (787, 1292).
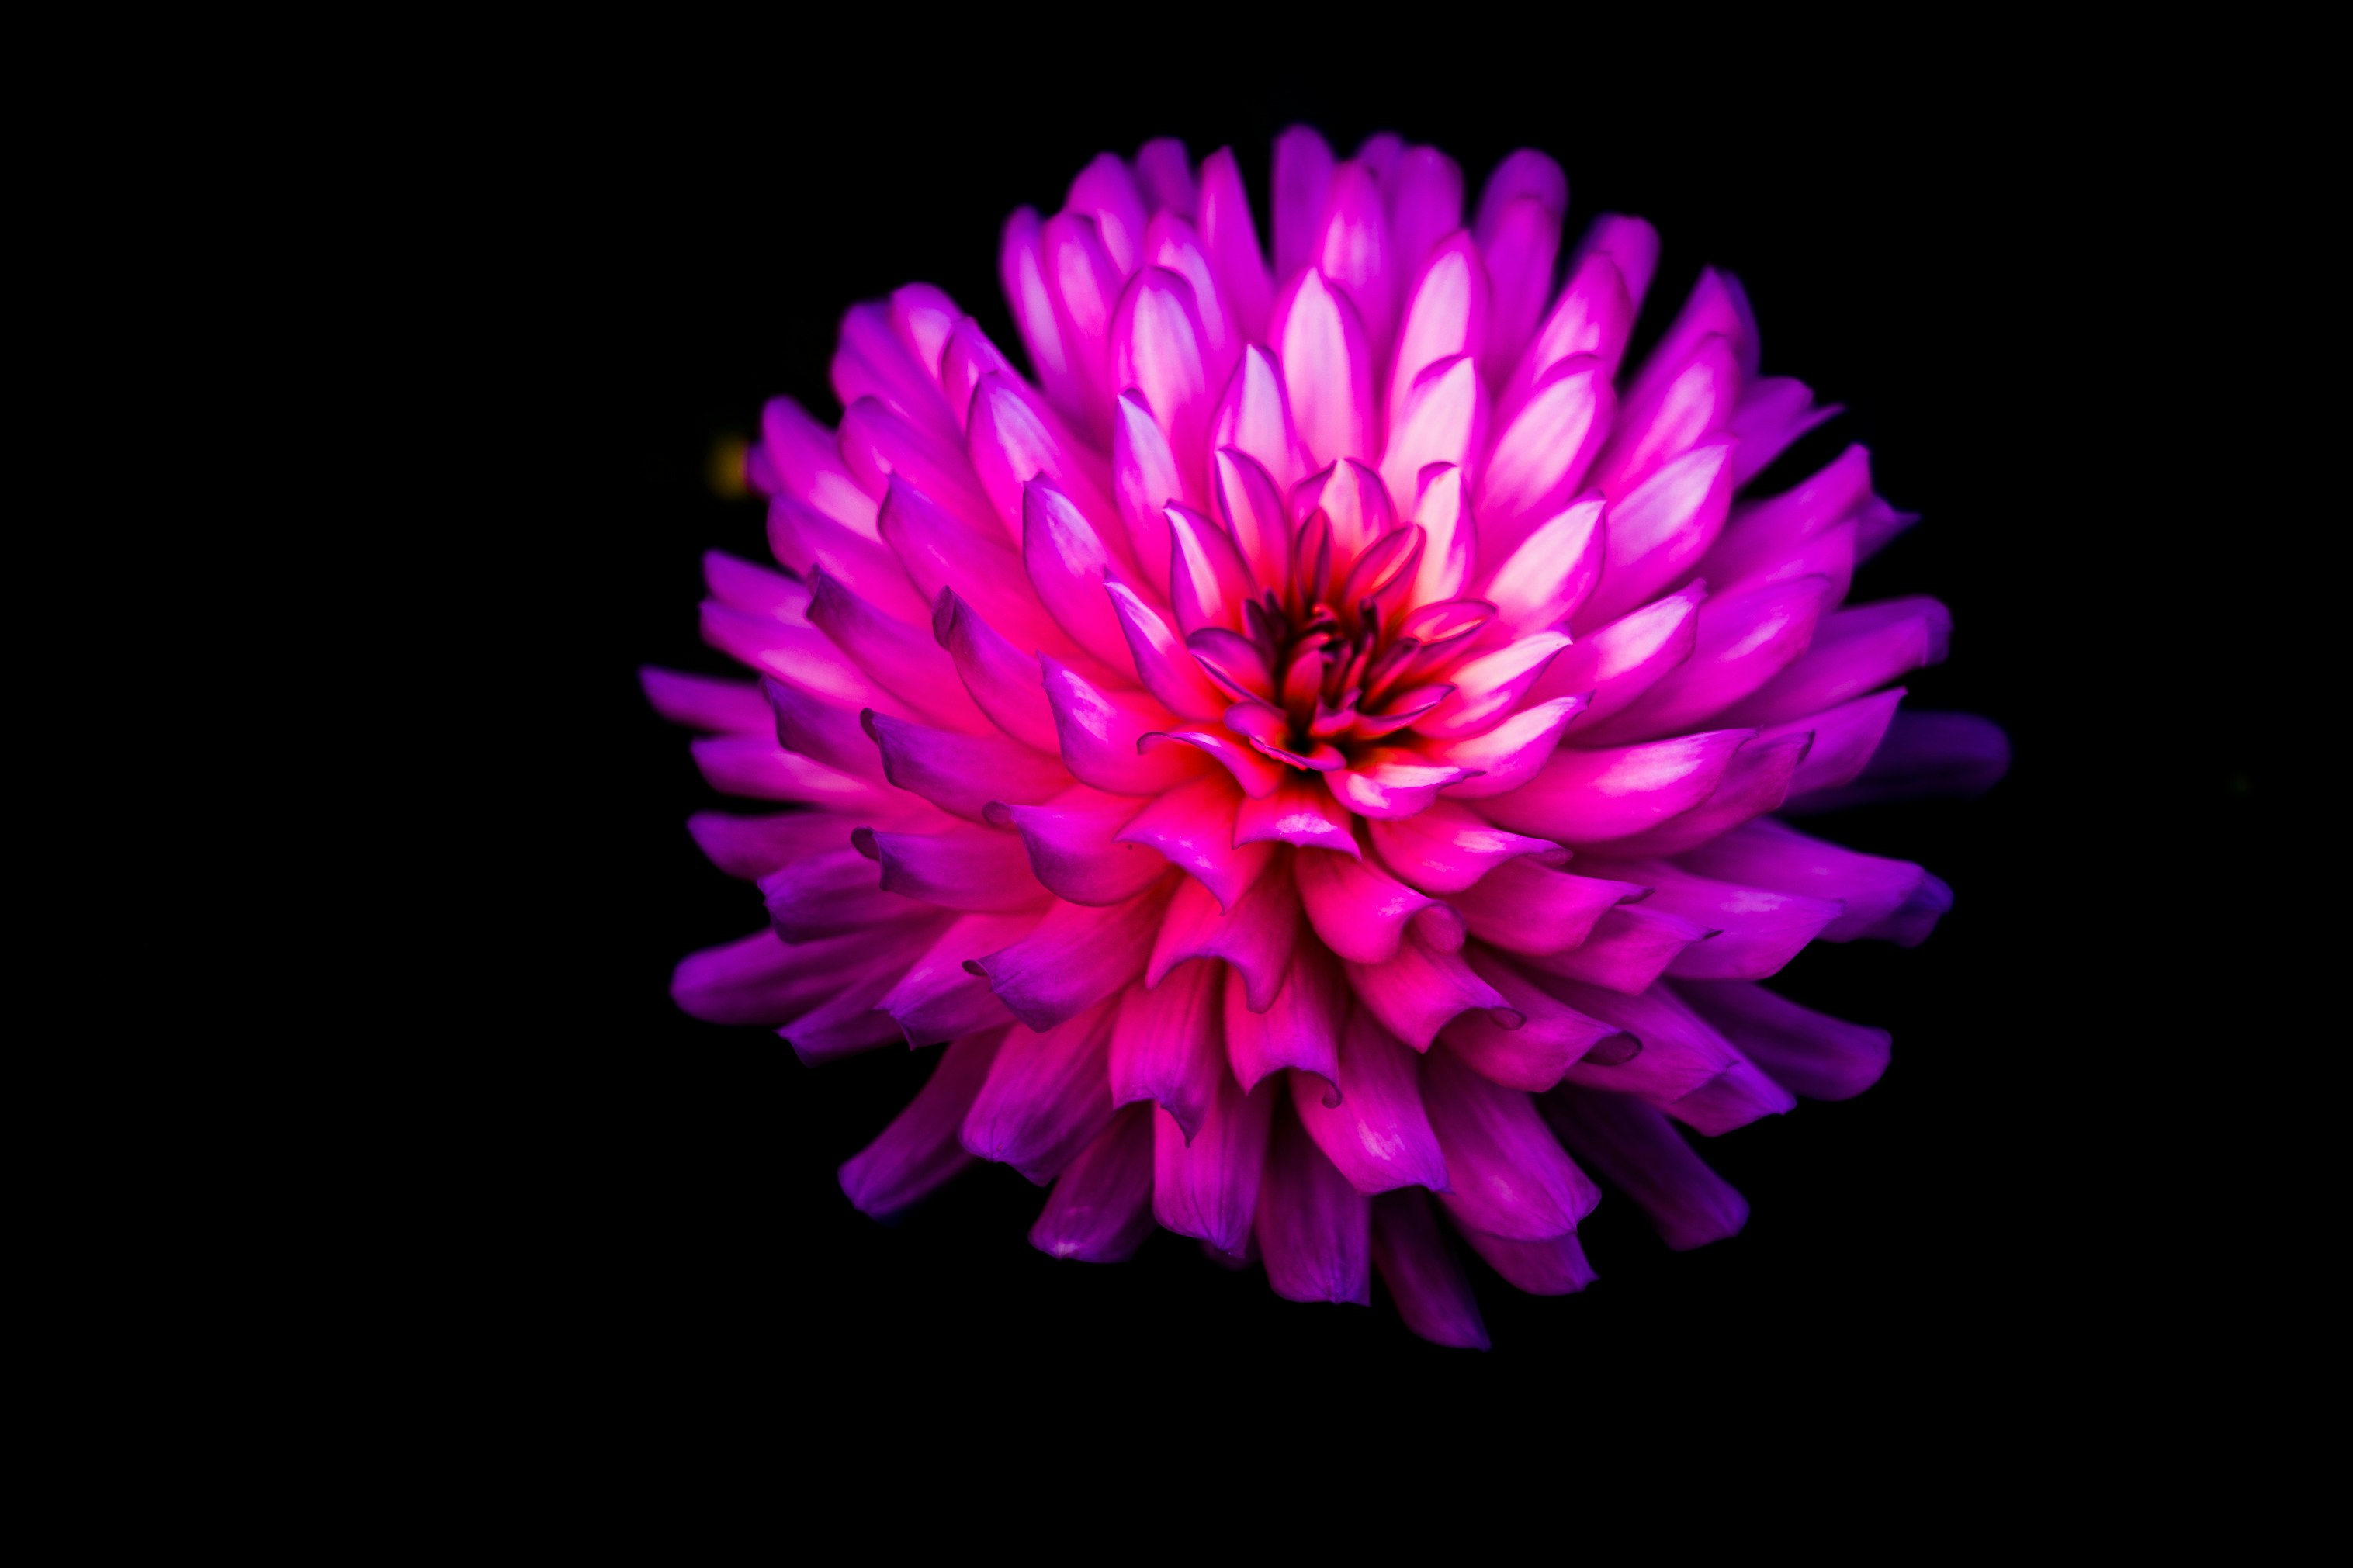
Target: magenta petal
(1145, 477)
(1416, 994)
(1742, 640)
(1193, 827)
(1229, 236)
(1358, 909)
(1259, 776)
(1488, 688)
(1167, 1043)
(1757, 930)
(937, 998)
(1696, 404)
(759, 979)
(1425, 207)
(904, 660)
(1327, 370)
(808, 542)
(1167, 667)
(1066, 561)
(1581, 797)
(1508, 1174)
(1428, 1285)
(1553, 1038)
(1625, 658)
(851, 1020)
(1100, 730)
(970, 356)
(1628, 949)
(1166, 175)
(1300, 811)
(1523, 907)
(1250, 504)
(1157, 349)
(1378, 1135)
(1923, 756)
(1807, 1052)
(1047, 1097)
(1444, 420)
(1540, 458)
(755, 590)
(1353, 250)
(1254, 416)
(1680, 1050)
(807, 461)
(1635, 1146)
(1005, 684)
(1207, 1186)
(919, 1153)
(1448, 528)
(1853, 651)
(1256, 936)
(1445, 315)
(1524, 242)
(972, 868)
(1100, 1207)
(1301, 1029)
(757, 768)
(753, 847)
(1594, 315)
(1659, 532)
(1105, 191)
(1554, 1266)
(1085, 285)
(1732, 1099)
(1512, 754)
(800, 656)
(816, 729)
(1715, 308)
(1074, 849)
(1547, 576)
(1302, 182)
(1076, 958)
(1207, 581)
(1771, 413)
(1014, 438)
(1766, 854)
(697, 700)
(941, 554)
(1314, 1230)
(1448, 847)
(962, 773)
(877, 447)
(828, 894)
(1846, 738)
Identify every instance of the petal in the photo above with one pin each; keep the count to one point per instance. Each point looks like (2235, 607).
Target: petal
(1680, 1051)
(1300, 1029)
(1101, 1208)
(1757, 930)
(877, 444)
(1636, 1147)
(919, 1153)
(974, 868)
(1207, 1186)
(1105, 191)
(1229, 236)
(970, 356)
(1548, 576)
(849, 1021)
(755, 767)
(1077, 957)
(1740, 641)
(1448, 847)
(1251, 506)
(1807, 1052)
(1256, 936)
(1167, 1043)
(1446, 316)
(1540, 458)
(1756, 782)
(1259, 776)
(1085, 285)
(937, 999)
(962, 775)
(829, 894)
(1520, 213)
(1419, 991)
(1254, 416)
(730, 707)
(1302, 183)
(1314, 1230)
(1162, 662)
(819, 730)
(1488, 688)
(1013, 438)
(1193, 827)
(939, 552)
(1630, 242)
(1594, 315)
(1763, 533)
(807, 462)
(807, 541)
(871, 361)
(1004, 683)
(1021, 267)
(1659, 531)
(1327, 370)
(759, 979)
(903, 660)
(1732, 1099)
(1766, 854)
(1849, 737)
(1166, 175)
(1523, 907)
(1299, 811)
(1047, 1095)
(1355, 503)
(1352, 249)
(1696, 404)
(800, 656)
(755, 590)
(1507, 756)
(1450, 534)
(1359, 909)
(1074, 849)
(1588, 796)
(1066, 560)
(1628, 949)
(1443, 420)
(1772, 412)
(1854, 650)
(1206, 579)
(1423, 1280)
(1100, 730)
(1923, 756)
(1377, 1134)
(1537, 1054)
(1508, 1174)
(1425, 207)
(1156, 350)
(1554, 1266)
(753, 847)
(1393, 782)
(1715, 308)
(1625, 658)
(1144, 472)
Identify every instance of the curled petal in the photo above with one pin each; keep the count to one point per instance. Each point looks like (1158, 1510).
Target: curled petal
(1299, 811)
(1922, 756)
(1625, 658)
(937, 998)
(1078, 956)
(1013, 438)
(970, 356)
(1488, 688)
(800, 656)
(1047, 1095)
(1512, 754)
(1100, 730)
(1543, 581)
(1766, 854)
(1256, 936)
(1680, 1050)
(1254, 416)
(1446, 847)
(1771, 413)
(1358, 909)
(1807, 1052)
(1100, 1207)
(1193, 827)
(752, 846)
(1251, 505)
(1207, 1186)
(1206, 579)
(1523, 907)
(877, 446)
(1425, 207)
(962, 773)
(920, 1153)
(1732, 1099)
(1003, 683)
(1853, 651)
(818, 729)
(1554, 1266)
(1074, 848)
(1635, 1146)
(1356, 505)
(1628, 949)
(1021, 269)
(756, 768)
(1423, 988)
(940, 555)
(1540, 458)
(1166, 1043)
(1757, 930)
(898, 369)
(1659, 531)
(1509, 1176)
(1170, 242)
(1520, 214)
(1589, 796)
(904, 660)
(849, 1021)
(1066, 560)
(1327, 369)
(1314, 1229)
(1755, 781)
(1847, 738)
(1428, 1285)
(1377, 1133)
(829, 894)
(977, 869)
(1167, 667)
(807, 459)
(1301, 1028)
(1554, 1037)
(1392, 782)
(1258, 775)
(1740, 641)
(807, 541)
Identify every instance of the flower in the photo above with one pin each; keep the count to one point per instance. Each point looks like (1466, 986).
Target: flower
(1307, 754)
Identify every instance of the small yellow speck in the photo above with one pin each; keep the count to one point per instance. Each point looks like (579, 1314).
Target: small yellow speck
(726, 469)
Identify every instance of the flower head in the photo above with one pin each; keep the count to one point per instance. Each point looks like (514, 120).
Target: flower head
(1307, 753)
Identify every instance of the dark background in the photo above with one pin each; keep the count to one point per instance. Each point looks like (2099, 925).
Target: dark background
(1983, 273)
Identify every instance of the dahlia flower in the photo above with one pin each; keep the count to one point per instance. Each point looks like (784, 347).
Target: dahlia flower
(1307, 753)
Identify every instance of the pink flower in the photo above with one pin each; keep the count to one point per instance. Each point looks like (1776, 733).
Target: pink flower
(1307, 753)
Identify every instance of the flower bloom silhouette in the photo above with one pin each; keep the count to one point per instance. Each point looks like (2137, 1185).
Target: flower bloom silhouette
(1307, 754)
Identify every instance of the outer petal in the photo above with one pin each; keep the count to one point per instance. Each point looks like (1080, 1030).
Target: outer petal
(1193, 827)
(1807, 1052)
(1147, 477)
(1012, 438)
(1378, 1135)
(759, 769)
(1625, 658)
(1537, 1054)
(1167, 667)
(1101, 1209)
(1314, 1230)
(1741, 641)
(807, 463)
(1659, 531)
(1446, 315)
(1105, 191)
(1231, 237)
(1582, 797)
(940, 556)
(753, 847)
(1099, 730)
(1766, 854)
(903, 660)
(1448, 847)
(1157, 349)
(1921, 756)
(962, 773)
(828, 894)
(1359, 909)
(1512, 754)
(1511, 1177)
(1757, 930)
(1679, 1052)
(1431, 1295)
(1520, 214)
(919, 1153)
(1256, 936)
(1327, 370)
(1628, 949)
(1073, 845)
(936, 999)
(1543, 581)
(1047, 1097)
(727, 706)
(1754, 782)
(1004, 683)
(1076, 958)
(1416, 993)
(1540, 458)
(973, 869)
(1207, 1186)
(1554, 1266)
(1302, 182)
(1523, 907)
(1635, 1146)
(1301, 1029)
(1167, 1043)
(1853, 651)
(759, 979)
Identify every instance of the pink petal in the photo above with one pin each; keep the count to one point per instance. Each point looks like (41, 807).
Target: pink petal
(1077, 957)
(1167, 1044)
(1594, 315)
(1206, 579)
(1766, 854)
(1547, 576)
(1425, 207)
(1353, 250)
(1589, 796)
(1377, 1134)
(755, 590)
(1520, 256)
(1300, 1029)
(1105, 191)
(1193, 827)
(1636, 1147)
(1355, 504)
(1695, 406)
(849, 1021)
(1303, 182)
(1535, 1056)
(1923, 756)
(1100, 729)
(1508, 1174)
(1657, 533)
(1314, 1230)
(1446, 316)
(1327, 370)
(1254, 416)
(872, 361)
(829, 894)
(1731, 1100)
(1625, 658)
(1256, 936)
(818, 729)
(1756, 782)
(756, 768)
(807, 461)
(1447, 556)
(919, 1153)
(1157, 349)
(807, 541)
(1144, 471)
(1358, 909)
(1741, 641)
(1554, 1266)
(1846, 738)
(1166, 175)
(728, 706)
(923, 320)
(1807, 1052)
(1443, 420)
(1047, 1095)
(1512, 754)
(1170, 242)
(1446, 847)
(1229, 236)
(1013, 438)
(1072, 848)
(1679, 1052)
(962, 773)
(1100, 1207)
(1207, 1187)
(1066, 560)
(1853, 650)
(1392, 782)
(1251, 506)
(1488, 688)
(1771, 413)
(1167, 667)
(1258, 775)
(1523, 907)
(1004, 683)
(1626, 950)
(1714, 308)
(1416, 994)
(1540, 458)
(938, 551)
(975, 869)
(1299, 811)
(970, 356)
(801, 656)
(1630, 242)
(760, 980)
(1762, 532)
(1757, 930)
(903, 660)
(1431, 1295)
(937, 999)
(1085, 285)
(751, 847)
(877, 444)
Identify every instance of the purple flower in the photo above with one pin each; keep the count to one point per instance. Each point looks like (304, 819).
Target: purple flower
(1308, 754)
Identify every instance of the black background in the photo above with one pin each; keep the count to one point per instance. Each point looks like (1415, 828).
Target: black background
(1968, 267)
